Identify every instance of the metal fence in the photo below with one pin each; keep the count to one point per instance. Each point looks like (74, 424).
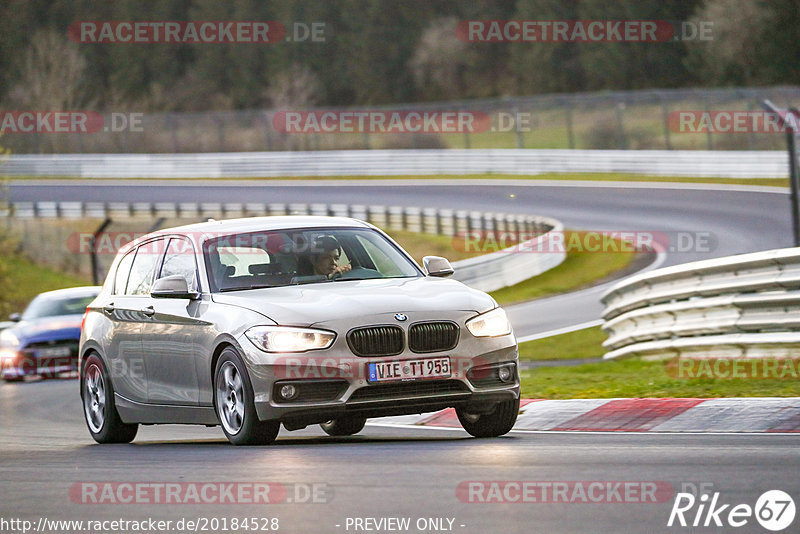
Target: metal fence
(606, 120)
(743, 164)
(745, 306)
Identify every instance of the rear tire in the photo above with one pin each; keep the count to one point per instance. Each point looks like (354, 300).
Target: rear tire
(491, 425)
(234, 404)
(344, 426)
(99, 410)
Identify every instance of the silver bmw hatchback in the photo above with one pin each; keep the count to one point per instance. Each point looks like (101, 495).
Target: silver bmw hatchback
(253, 323)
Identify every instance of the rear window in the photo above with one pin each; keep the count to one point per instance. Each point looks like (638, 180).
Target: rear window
(144, 268)
(123, 271)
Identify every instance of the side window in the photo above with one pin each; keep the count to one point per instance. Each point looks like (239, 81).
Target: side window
(179, 259)
(123, 270)
(144, 268)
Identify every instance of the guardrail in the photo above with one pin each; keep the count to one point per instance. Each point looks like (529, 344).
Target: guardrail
(726, 164)
(744, 306)
(487, 272)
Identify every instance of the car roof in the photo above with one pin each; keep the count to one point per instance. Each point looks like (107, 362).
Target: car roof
(251, 224)
(82, 291)
(254, 224)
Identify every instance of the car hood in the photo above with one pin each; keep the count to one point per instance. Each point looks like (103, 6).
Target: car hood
(305, 305)
(47, 329)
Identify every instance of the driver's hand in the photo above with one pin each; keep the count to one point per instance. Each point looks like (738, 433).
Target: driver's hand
(339, 270)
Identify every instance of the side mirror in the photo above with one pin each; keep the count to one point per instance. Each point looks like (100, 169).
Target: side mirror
(172, 287)
(437, 266)
(15, 317)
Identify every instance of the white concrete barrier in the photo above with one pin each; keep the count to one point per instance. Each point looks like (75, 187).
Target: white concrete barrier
(717, 163)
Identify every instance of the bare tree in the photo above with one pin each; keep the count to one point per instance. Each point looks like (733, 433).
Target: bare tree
(440, 60)
(732, 54)
(51, 74)
(295, 88)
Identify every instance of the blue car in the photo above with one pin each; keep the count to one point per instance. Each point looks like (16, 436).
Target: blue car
(43, 341)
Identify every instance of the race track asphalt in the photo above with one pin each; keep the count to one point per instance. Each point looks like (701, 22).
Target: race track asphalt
(382, 472)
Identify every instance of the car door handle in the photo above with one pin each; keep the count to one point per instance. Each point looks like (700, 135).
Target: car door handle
(149, 311)
(109, 308)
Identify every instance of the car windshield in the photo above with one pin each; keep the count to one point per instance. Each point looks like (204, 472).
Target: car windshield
(295, 257)
(49, 306)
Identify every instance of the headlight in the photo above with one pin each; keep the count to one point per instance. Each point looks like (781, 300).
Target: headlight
(8, 339)
(289, 339)
(7, 355)
(490, 324)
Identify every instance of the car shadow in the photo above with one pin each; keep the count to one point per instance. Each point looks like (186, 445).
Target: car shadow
(309, 440)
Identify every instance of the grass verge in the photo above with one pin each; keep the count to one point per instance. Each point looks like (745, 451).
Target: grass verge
(27, 279)
(625, 378)
(578, 345)
(420, 245)
(636, 378)
(579, 269)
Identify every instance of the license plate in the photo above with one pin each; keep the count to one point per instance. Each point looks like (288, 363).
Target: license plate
(53, 352)
(409, 369)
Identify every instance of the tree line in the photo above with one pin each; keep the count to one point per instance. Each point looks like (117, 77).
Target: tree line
(376, 52)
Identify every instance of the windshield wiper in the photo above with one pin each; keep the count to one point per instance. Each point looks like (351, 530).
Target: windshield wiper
(306, 282)
(245, 288)
(370, 278)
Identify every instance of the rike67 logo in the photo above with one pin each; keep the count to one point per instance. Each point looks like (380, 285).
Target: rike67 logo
(774, 510)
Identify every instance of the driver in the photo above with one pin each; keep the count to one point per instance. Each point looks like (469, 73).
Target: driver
(325, 256)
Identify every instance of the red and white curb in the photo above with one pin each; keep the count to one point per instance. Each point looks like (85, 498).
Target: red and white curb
(638, 415)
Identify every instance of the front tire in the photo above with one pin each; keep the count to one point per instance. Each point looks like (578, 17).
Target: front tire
(99, 410)
(234, 404)
(344, 426)
(491, 425)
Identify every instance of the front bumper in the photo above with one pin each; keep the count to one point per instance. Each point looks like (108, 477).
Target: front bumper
(334, 384)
